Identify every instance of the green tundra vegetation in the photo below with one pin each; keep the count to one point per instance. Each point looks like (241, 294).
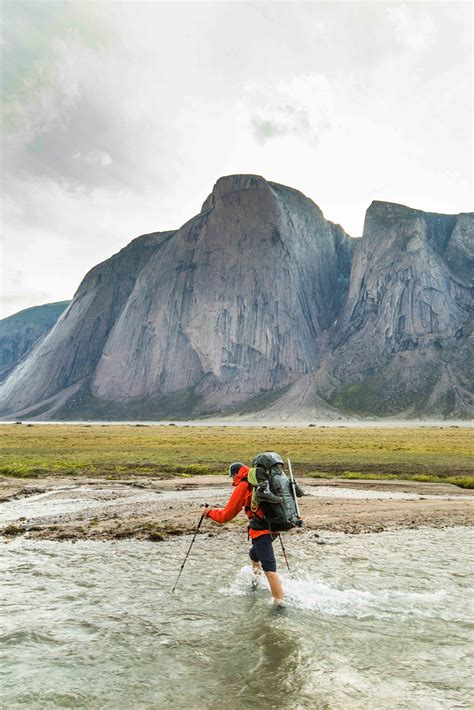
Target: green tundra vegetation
(438, 454)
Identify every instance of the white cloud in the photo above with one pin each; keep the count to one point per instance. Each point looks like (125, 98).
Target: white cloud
(302, 105)
(94, 157)
(126, 133)
(413, 27)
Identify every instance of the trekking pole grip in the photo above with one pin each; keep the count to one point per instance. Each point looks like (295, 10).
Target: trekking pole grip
(203, 515)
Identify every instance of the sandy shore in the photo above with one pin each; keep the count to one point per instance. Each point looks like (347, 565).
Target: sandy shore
(153, 508)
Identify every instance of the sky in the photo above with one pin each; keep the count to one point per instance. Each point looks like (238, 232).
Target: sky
(119, 117)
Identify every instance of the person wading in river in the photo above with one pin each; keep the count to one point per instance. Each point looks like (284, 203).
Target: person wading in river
(261, 553)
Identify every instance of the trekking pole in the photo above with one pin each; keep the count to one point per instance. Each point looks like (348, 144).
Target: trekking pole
(284, 555)
(189, 550)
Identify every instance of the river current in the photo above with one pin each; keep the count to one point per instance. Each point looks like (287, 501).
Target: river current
(373, 621)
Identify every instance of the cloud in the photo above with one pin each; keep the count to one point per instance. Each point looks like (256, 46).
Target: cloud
(94, 157)
(82, 122)
(301, 105)
(85, 113)
(412, 26)
(120, 117)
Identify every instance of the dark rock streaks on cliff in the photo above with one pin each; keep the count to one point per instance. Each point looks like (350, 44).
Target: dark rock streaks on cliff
(260, 305)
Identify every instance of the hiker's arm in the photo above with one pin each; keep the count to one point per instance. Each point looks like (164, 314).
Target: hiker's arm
(298, 490)
(233, 507)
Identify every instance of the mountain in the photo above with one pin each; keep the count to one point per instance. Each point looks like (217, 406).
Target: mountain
(19, 332)
(403, 342)
(260, 306)
(67, 356)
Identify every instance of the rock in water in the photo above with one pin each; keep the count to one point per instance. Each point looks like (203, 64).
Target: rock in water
(259, 304)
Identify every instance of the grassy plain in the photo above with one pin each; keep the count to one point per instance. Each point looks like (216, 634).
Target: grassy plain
(424, 454)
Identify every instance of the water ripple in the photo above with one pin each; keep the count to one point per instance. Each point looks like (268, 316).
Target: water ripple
(375, 621)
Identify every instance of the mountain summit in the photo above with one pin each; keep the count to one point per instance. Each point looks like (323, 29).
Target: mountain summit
(259, 304)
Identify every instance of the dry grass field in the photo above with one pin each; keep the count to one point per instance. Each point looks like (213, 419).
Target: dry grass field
(438, 454)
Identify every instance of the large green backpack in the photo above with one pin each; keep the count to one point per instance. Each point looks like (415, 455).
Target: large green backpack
(273, 493)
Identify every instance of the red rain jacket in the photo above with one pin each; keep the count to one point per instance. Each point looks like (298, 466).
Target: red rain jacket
(241, 498)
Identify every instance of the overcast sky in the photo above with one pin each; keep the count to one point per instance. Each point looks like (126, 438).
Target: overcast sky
(120, 116)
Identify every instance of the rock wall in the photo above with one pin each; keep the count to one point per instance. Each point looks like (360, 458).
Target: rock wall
(259, 306)
(407, 318)
(236, 304)
(70, 351)
(19, 332)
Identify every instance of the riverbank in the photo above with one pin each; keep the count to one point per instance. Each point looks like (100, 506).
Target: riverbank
(100, 482)
(82, 508)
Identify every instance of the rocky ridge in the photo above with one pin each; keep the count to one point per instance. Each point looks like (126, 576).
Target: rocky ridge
(20, 331)
(259, 306)
(410, 299)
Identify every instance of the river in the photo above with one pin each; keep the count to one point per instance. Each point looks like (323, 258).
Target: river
(373, 621)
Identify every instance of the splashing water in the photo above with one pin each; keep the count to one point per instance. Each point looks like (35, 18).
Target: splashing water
(373, 621)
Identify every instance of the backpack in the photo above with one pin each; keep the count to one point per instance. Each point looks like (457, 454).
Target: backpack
(274, 493)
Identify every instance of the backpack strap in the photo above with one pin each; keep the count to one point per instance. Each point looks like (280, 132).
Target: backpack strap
(252, 482)
(252, 476)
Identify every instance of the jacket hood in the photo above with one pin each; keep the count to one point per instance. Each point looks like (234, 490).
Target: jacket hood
(242, 473)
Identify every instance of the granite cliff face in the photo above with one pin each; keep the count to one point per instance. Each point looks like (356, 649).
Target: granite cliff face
(259, 304)
(402, 342)
(237, 303)
(19, 332)
(67, 356)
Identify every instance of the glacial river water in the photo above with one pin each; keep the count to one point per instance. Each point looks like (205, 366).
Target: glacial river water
(373, 622)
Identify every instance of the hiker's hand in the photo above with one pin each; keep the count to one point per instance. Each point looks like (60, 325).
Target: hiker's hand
(298, 490)
(204, 510)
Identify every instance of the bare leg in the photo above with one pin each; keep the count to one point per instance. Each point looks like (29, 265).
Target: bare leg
(256, 567)
(275, 585)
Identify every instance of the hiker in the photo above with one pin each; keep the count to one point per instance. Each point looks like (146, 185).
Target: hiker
(243, 498)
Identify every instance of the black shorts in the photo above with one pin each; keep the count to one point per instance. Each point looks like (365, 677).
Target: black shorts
(262, 551)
